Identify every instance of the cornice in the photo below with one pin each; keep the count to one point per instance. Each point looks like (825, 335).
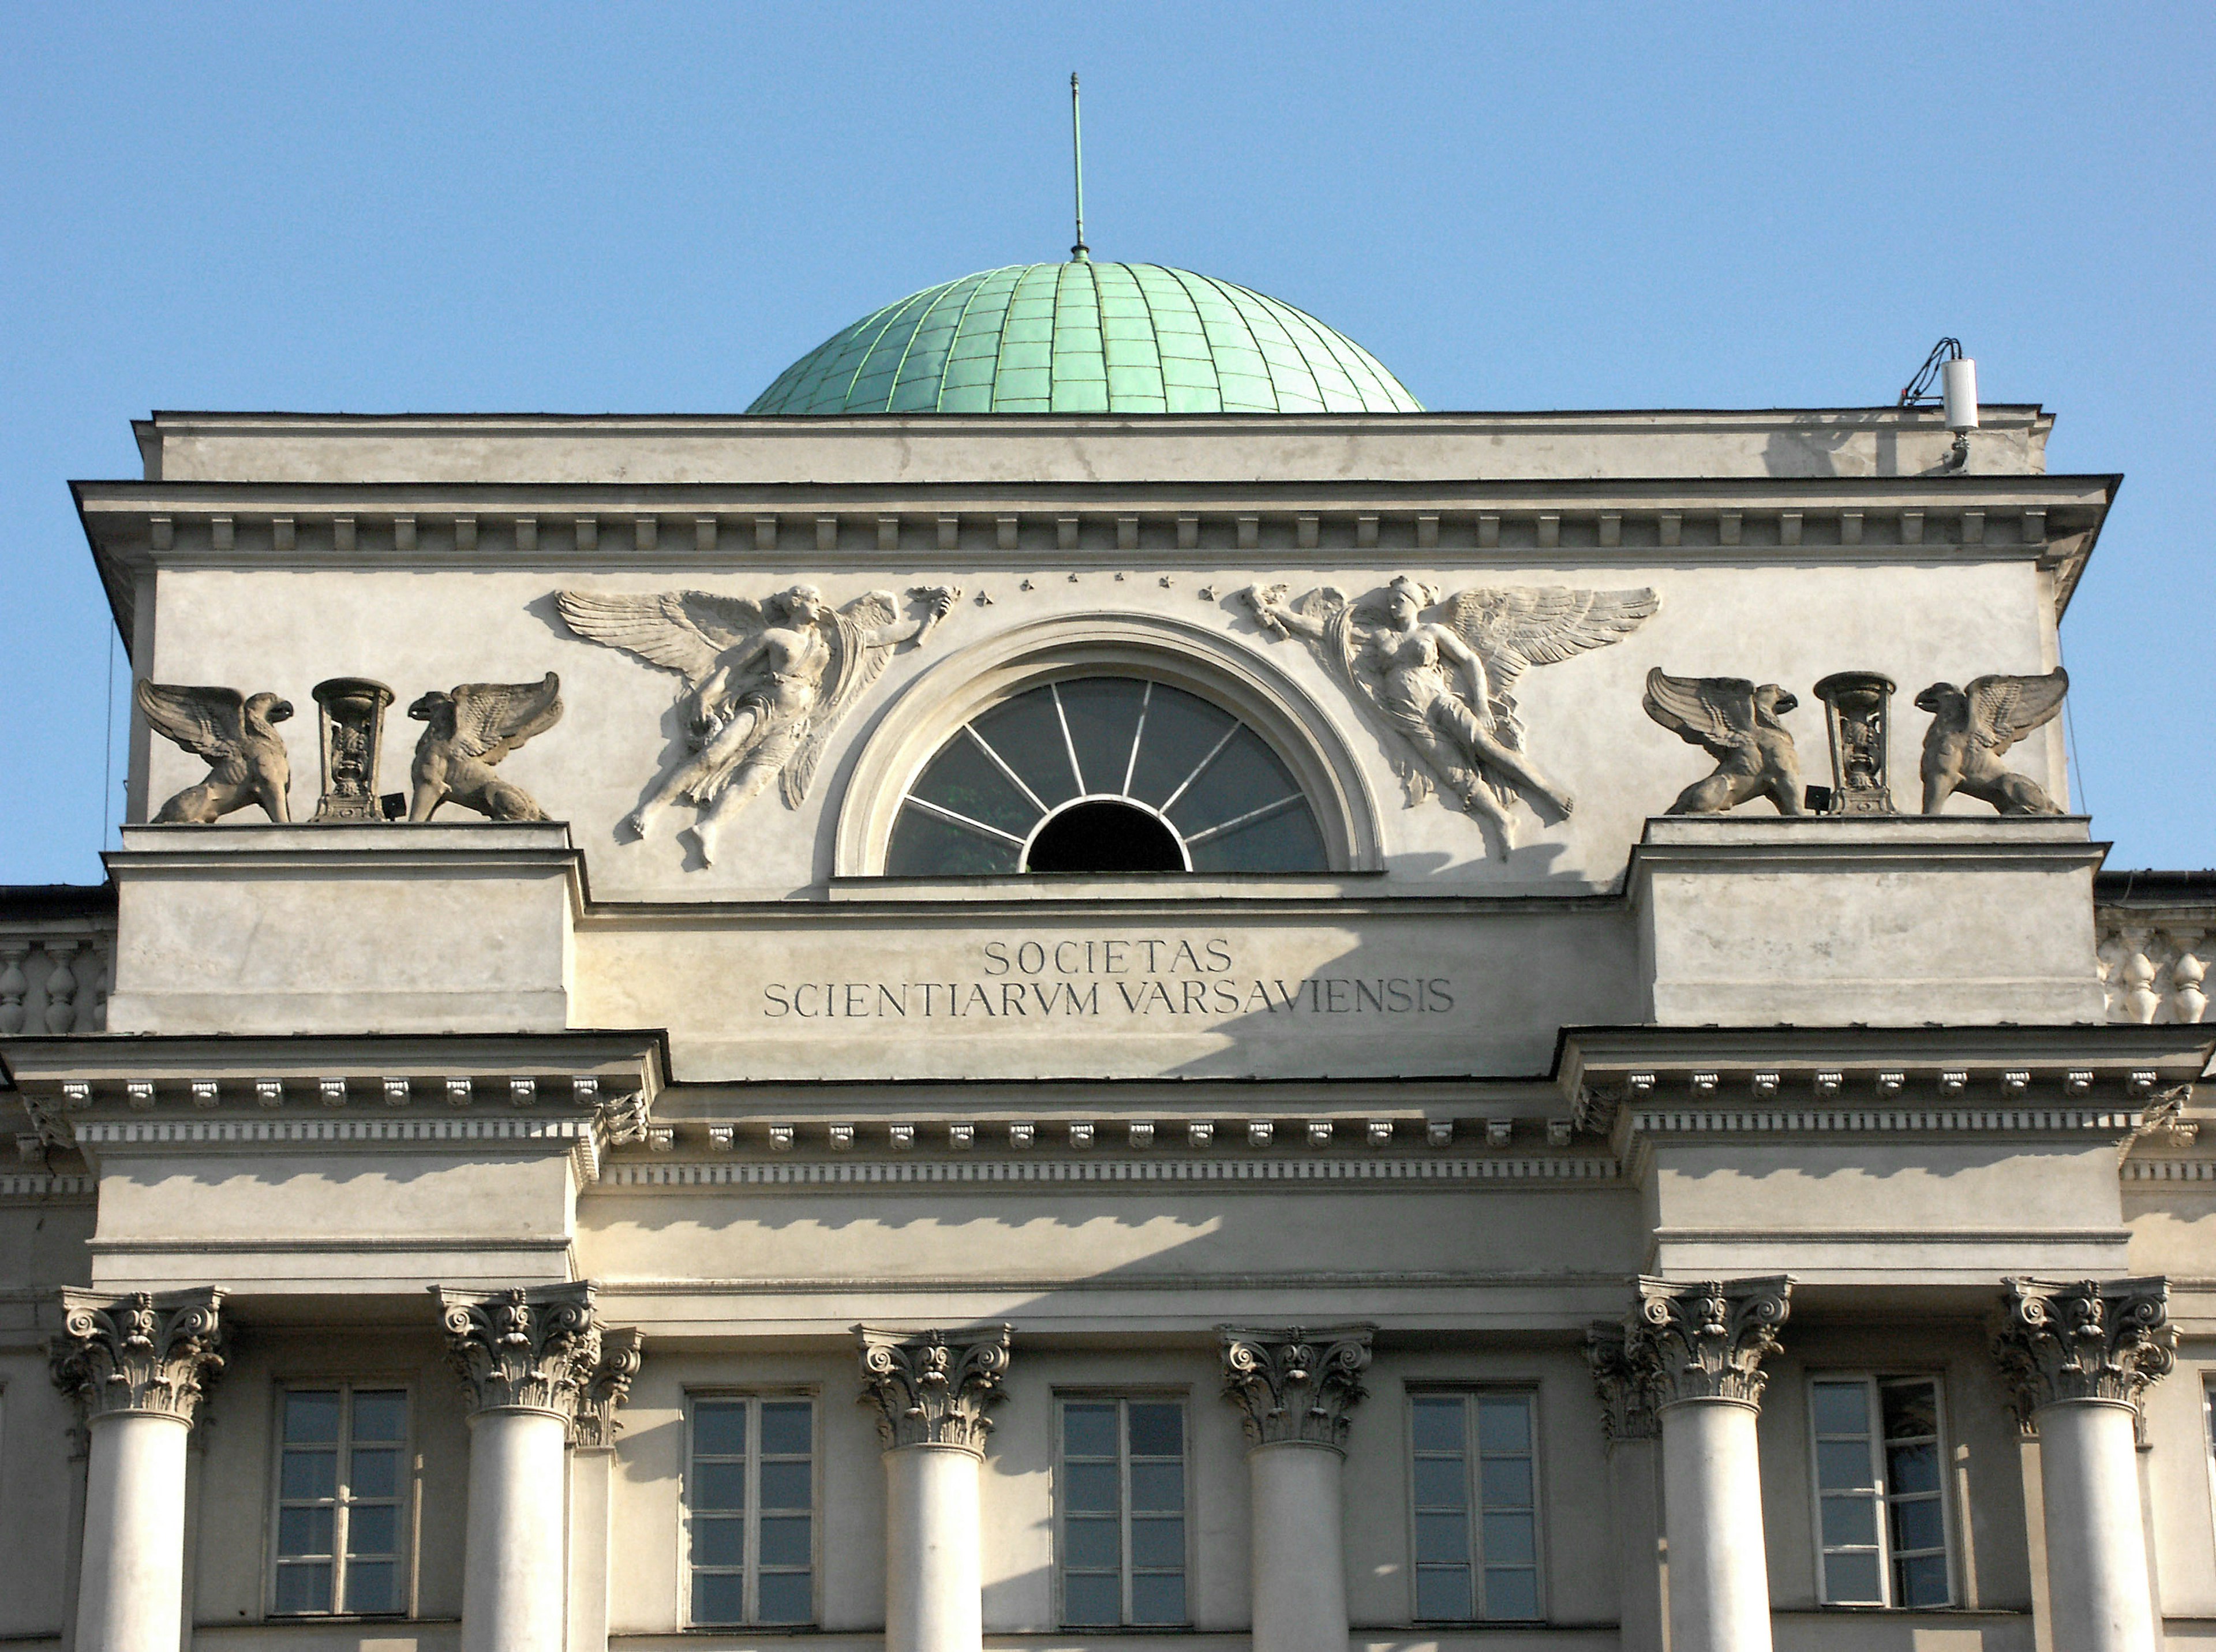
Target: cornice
(1260, 1173)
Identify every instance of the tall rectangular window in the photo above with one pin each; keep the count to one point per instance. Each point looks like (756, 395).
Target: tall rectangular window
(341, 1501)
(1122, 1510)
(1880, 1490)
(1476, 1510)
(750, 1510)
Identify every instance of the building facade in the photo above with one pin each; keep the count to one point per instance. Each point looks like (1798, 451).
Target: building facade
(1088, 980)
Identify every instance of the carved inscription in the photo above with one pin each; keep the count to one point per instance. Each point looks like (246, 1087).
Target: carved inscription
(1129, 977)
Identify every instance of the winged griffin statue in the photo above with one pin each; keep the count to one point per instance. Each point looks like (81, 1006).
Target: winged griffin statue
(1445, 686)
(466, 731)
(246, 758)
(1736, 723)
(1973, 727)
(766, 683)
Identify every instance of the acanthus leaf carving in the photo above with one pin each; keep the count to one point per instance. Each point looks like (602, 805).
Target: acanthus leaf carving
(1623, 1382)
(2063, 1340)
(1706, 1340)
(246, 756)
(606, 1388)
(1736, 721)
(147, 1352)
(466, 730)
(527, 1349)
(931, 1387)
(1295, 1385)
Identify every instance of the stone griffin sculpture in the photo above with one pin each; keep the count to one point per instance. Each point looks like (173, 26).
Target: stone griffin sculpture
(468, 729)
(246, 758)
(766, 683)
(1444, 686)
(1737, 724)
(1972, 726)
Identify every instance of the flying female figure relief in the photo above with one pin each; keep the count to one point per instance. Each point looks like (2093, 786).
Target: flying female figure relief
(1445, 686)
(766, 684)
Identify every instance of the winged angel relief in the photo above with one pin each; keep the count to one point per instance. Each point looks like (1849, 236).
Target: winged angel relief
(1445, 685)
(766, 683)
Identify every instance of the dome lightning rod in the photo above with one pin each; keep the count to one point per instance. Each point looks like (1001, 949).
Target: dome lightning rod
(1077, 158)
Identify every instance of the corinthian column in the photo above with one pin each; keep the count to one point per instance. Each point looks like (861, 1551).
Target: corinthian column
(1624, 1388)
(1701, 1348)
(524, 1356)
(1294, 1389)
(137, 1366)
(931, 1389)
(2079, 1357)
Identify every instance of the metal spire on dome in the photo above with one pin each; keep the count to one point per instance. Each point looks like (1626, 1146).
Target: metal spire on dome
(1077, 154)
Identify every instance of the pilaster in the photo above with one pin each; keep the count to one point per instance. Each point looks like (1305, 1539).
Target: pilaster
(1624, 1385)
(605, 1390)
(528, 1348)
(1706, 1340)
(144, 1353)
(932, 1387)
(2096, 1340)
(1295, 1384)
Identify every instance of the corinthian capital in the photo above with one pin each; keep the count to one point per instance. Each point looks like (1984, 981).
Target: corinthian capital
(1623, 1383)
(1705, 1341)
(154, 1353)
(1295, 1384)
(2085, 1340)
(605, 1390)
(931, 1389)
(531, 1348)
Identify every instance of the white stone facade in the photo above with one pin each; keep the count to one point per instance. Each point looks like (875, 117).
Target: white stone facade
(1701, 1231)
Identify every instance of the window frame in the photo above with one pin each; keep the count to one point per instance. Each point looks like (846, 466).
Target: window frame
(1873, 1380)
(1123, 1398)
(407, 1503)
(750, 1563)
(1469, 1394)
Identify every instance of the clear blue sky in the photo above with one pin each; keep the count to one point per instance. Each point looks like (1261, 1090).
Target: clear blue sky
(649, 208)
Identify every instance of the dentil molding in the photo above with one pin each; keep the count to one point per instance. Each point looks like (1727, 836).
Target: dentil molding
(142, 1352)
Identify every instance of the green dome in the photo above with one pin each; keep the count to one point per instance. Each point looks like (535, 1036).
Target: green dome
(1082, 337)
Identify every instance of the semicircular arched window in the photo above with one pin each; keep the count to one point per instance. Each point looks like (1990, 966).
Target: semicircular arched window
(1109, 775)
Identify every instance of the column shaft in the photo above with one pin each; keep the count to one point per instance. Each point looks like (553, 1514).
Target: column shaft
(130, 1587)
(1712, 1487)
(513, 1590)
(2096, 1554)
(934, 1564)
(1300, 1548)
(1637, 1497)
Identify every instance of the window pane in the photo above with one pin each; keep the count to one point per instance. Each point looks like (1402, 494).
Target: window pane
(1442, 1592)
(1841, 1464)
(381, 1414)
(1157, 1430)
(1092, 1597)
(923, 845)
(1919, 1525)
(1511, 1594)
(1103, 713)
(1437, 1425)
(1092, 1544)
(1849, 1521)
(1245, 775)
(1158, 1598)
(1912, 1410)
(1088, 1430)
(312, 1416)
(375, 1473)
(1921, 1582)
(1092, 1487)
(1157, 1488)
(719, 1542)
(785, 1540)
(310, 1474)
(1841, 1407)
(719, 1429)
(1027, 733)
(1159, 1541)
(372, 1585)
(1180, 729)
(1505, 1482)
(1287, 841)
(719, 1597)
(1440, 1483)
(1504, 1427)
(1851, 1580)
(1911, 1468)
(785, 1485)
(963, 779)
(788, 1597)
(719, 1486)
(1508, 1540)
(303, 1589)
(373, 1529)
(785, 1426)
(305, 1530)
(1443, 1537)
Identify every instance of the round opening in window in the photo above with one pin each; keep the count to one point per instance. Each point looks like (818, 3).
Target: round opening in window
(1108, 775)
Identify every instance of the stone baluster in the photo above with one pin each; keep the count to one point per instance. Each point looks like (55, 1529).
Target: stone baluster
(14, 986)
(2079, 1357)
(525, 1357)
(1295, 1389)
(2189, 974)
(61, 987)
(2137, 972)
(1700, 1348)
(931, 1389)
(138, 1366)
(1625, 1389)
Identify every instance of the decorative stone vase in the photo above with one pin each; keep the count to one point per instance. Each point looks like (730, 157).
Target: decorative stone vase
(353, 732)
(1857, 711)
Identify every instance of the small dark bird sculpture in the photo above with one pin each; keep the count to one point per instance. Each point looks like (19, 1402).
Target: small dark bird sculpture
(246, 758)
(468, 730)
